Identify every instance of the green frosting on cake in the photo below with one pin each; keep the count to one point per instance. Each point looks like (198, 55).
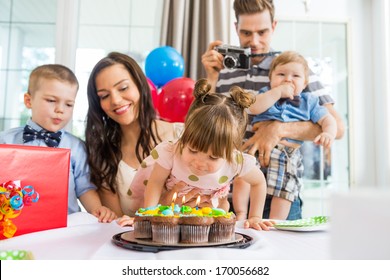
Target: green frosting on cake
(218, 212)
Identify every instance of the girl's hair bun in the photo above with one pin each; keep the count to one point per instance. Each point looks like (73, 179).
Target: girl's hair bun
(202, 88)
(243, 98)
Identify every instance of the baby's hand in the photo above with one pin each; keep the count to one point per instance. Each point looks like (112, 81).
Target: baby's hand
(104, 214)
(125, 221)
(258, 224)
(287, 90)
(324, 139)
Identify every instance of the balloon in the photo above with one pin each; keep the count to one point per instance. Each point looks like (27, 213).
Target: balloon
(164, 64)
(175, 99)
(154, 92)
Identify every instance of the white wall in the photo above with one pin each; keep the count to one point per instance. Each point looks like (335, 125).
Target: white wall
(381, 88)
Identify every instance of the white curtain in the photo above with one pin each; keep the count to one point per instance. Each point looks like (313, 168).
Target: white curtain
(190, 25)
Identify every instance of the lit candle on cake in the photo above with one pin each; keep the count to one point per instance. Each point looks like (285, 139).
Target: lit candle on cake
(197, 202)
(185, 209)
(173, 201)
(196, 210)
(183, 200)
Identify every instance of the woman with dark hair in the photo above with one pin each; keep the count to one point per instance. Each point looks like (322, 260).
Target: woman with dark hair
(122, 127)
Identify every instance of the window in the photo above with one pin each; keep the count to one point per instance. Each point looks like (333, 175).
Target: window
(27, 39)
(131, 27)
(30, 30)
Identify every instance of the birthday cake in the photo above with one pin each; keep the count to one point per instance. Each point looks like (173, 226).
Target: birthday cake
(142, 226)
(222, 229)
(195, 225)
(171, 225)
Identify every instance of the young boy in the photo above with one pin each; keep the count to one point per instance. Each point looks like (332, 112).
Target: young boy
(285, 101)
(51, 96)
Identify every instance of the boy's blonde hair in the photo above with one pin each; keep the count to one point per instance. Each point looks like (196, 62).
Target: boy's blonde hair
(51, 72)
(215, 121)
(288, 57)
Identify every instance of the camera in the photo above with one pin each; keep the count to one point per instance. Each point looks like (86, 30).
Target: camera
(235, 57)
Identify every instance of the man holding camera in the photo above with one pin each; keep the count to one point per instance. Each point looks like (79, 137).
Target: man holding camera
(255, 26)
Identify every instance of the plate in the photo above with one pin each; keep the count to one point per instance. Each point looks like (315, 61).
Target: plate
(316, 223)
(128, 241)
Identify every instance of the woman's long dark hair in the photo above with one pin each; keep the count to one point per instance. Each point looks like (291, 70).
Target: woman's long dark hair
(103, 135)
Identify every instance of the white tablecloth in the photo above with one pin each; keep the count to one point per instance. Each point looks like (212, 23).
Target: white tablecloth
(85, 238)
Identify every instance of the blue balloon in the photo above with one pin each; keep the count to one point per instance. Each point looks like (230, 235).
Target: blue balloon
(164, 64)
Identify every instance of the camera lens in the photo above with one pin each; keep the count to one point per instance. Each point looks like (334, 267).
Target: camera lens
(230, 62)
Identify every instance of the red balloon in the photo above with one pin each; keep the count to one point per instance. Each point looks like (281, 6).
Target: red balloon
(154, 92)
(175, 99)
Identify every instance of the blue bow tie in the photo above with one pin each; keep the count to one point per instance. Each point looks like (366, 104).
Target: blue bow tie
(294, 102)
(52, 139)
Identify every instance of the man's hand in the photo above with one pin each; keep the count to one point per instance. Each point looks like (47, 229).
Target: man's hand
(266, 137)
(213, 63)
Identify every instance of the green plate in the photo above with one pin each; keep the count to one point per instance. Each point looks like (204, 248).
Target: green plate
(16, 255)
(307, 224)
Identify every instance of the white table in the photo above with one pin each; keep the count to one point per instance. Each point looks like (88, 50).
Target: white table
(85, 238)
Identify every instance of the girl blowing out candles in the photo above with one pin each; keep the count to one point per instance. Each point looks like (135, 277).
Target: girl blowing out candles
(206, 156)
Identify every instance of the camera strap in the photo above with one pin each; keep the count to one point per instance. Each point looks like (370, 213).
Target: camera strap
(264, 54)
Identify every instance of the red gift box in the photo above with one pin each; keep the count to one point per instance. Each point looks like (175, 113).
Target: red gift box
(47, 170)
